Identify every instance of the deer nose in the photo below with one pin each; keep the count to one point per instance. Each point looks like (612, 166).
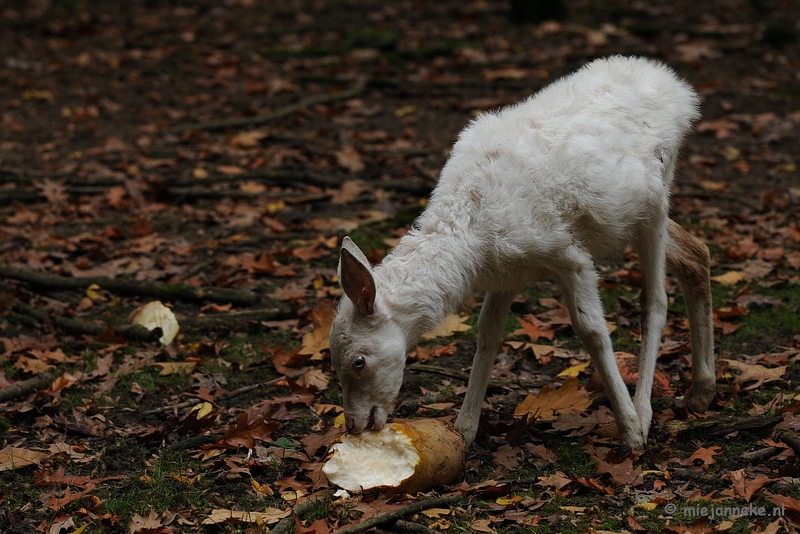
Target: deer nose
(350, 424)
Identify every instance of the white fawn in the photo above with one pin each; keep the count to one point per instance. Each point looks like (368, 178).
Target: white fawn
(540, 189)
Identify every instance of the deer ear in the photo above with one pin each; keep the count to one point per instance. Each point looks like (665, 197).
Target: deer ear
(355, 277)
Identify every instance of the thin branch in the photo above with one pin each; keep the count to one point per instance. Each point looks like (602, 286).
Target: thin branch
(790, 438)
(461, 375)
(133, 287)
(714, 428)
(278, 113)
(390, 517)
(286, 524)
(756, 457)
(20, 389)
(411, 526)
(225, 396)
(227, 319)
(134, 332)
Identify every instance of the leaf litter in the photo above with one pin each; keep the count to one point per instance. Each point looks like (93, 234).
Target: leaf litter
(262, 208)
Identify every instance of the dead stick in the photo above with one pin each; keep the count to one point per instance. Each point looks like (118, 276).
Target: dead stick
(402, 512)
(790, 438)
(411, 526)
(20, 389)
(755, 457)
(714, 428)
(133, 287)
(461, 375)
(133, 332)
(277, 114)
(300, 510)
(284, 177)
(225, 319)
(225, 396)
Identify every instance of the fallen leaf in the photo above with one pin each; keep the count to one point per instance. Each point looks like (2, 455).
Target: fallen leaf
(622, 474)
(785, 503)
(704, 456)
(575, 370)
(171, 368)
(556, 481)
(245, 433)
(267, 517)
(249, 139)
(754, 372)
(548, 403)
(731, 278)
(261, 489)
(482, 525)
(535, 329)
(451, 324)
(16, 458)
(349, 158)
(317, 340)
(744, 488)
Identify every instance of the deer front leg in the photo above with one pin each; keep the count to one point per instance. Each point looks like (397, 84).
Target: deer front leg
(688, 259)
(578, 281)
(491, 324)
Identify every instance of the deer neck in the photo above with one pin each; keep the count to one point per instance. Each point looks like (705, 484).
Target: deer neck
(427, 276)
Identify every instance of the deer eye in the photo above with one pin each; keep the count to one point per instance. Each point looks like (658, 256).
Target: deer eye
(359, 362)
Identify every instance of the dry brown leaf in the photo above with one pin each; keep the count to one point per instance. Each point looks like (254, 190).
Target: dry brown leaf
(744, 488)
(349, 191)
(754, 372)
(249, 139)
(267, 517)
(785, 502)
(150, 524)
(548, 403)
(317, 340)
(315, 379)
(349, 158)
(756, 269)
(16, 458)
(451, 324)
(556, 481)
(534, 328)
(171, 368)
(704, 456)
(622, 474)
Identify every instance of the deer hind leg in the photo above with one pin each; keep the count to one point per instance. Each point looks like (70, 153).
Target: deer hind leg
(651, 244)
(491, 324)
(688, 259)
(578, 281)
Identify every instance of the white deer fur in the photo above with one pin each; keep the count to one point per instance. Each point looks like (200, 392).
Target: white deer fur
(540, 189)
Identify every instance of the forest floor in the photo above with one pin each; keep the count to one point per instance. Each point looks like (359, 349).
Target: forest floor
(212, 155)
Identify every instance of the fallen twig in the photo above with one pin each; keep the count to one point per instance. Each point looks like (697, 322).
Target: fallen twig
(790, 438)
(161, 290)
(461, 375)
(411, 526)
(390, 517)
(225, 396)
(282, 177)
(20, 389)
(758, 456)
(287, 523)
(707, 195)
(278, 113)
(133, 332)
(714, 428)
(226, 319)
